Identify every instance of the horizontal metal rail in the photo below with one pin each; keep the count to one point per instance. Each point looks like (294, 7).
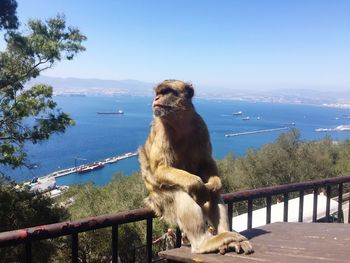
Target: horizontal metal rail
(73, 228)
(275, 190)
(268, 192)
(28, 235)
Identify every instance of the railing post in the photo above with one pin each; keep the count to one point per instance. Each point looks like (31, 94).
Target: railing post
(250, 213)
(301, 205)
(328, 205)
(285, 206)
(348, 212)
(268, 209)
(340, 203)
(115, 244)
(314, 213)
(149, 239)
(230, 214)
(178, 237)
(28, 251)
(75, 244)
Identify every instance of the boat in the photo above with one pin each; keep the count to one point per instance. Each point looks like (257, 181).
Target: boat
(90, 167)
(111, 112)
(237, 113)
(246, 118)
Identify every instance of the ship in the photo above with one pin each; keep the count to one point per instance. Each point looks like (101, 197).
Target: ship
(90, 167)
(237, 113)
(111, 112)
(246, 118)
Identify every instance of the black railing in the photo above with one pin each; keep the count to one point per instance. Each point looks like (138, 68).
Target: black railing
(285, 190)
(73, 228)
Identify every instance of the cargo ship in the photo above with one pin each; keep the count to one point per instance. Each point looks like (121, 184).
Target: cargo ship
(111, 112)
(90, 167)
(238, 113)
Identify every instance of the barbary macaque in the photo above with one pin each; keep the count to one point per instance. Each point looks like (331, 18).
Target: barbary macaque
(180, 174)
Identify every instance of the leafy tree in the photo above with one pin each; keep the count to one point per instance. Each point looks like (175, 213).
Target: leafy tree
(29, 114)
(25, 57)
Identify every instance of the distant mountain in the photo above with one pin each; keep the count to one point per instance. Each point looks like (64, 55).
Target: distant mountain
(66, 86)
(77, 86)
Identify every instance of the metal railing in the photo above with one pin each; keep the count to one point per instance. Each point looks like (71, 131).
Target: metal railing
(73, 228)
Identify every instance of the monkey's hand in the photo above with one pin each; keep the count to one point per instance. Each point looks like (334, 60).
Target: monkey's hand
(198, 190)
(213, 184)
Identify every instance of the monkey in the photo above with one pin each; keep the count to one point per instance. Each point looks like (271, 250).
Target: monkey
(181, 175)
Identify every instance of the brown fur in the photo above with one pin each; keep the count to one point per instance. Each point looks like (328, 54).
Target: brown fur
(180, 174)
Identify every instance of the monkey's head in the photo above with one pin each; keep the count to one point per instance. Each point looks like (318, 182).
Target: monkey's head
(172, 96)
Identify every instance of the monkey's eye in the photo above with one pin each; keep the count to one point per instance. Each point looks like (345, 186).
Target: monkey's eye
(166, 91)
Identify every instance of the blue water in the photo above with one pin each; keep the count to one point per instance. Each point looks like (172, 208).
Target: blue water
(95, 137)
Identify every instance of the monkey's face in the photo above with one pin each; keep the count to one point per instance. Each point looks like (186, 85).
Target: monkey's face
(172, 96)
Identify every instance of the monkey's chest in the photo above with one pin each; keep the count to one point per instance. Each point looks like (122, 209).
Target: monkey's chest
(184, 156)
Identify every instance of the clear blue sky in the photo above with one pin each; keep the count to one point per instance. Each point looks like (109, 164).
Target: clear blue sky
(233, 43)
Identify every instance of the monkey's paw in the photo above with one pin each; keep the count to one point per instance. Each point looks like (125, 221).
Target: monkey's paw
(240, 245)
(214, 184)
(225, 242)
(199, 192)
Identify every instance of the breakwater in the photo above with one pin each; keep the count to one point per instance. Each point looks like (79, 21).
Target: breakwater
(257, 131)
(91, 166)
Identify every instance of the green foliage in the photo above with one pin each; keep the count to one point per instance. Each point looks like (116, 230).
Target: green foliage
(20, 208)
(288, 160)
(8, 18)
(29, 114)
(122, 194)
(343, 163)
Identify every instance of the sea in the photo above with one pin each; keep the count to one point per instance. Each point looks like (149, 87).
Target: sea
(98, 136)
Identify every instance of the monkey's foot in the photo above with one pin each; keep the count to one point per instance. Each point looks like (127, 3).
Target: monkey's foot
(226, 242)
(238, 247)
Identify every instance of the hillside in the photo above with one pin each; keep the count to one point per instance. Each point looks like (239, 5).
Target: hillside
(78, 86)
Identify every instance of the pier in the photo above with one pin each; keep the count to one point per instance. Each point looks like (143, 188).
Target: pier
(257, 131)
(89, 167)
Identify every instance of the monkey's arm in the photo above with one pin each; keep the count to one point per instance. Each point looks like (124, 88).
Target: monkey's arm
(190, 183)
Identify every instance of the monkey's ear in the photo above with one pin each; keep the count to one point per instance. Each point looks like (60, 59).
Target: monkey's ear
(189, 91)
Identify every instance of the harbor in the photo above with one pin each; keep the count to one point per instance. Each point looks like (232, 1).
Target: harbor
(91, 166)
(47, 184)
